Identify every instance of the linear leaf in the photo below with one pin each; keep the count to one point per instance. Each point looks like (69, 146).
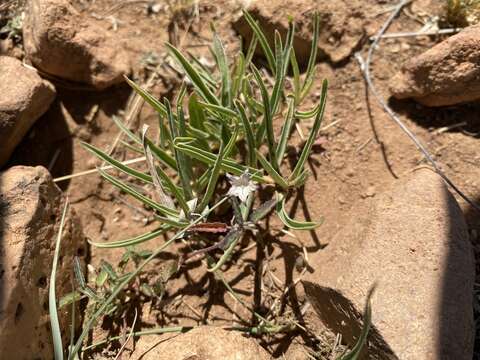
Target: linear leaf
(156, 104)
(117, 164)
(291, 223)
(52, 300)
(263, 210)
(222, 62)
(212, 182)
(183, 172)
(219, 109)
(142, 198)
(267, 116)
(163, 198)
(267, 50)
(279, 180)
(194, 76)
(132, 241)
(231, 240)
(279, 75)
(310, 73)
(313, 133)
(354, 354)
(228, 165)
(286, 130)
(252, 158)
(296, 77)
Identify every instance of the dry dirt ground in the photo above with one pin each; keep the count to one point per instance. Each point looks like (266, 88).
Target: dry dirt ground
(360, 154)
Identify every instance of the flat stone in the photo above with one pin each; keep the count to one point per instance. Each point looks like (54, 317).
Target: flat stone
(202, 343)
(412, 242)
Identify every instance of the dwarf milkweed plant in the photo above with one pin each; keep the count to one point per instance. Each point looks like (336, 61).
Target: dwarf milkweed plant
(216, 148)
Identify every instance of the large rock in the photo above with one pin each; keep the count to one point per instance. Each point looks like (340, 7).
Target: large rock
(30, 211)
(61, 42)
(342, 25)
(24, 98)
(446, 74)
(203, 343)
(412, 242)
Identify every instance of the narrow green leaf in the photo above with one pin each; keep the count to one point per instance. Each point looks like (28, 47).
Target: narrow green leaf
(279, 180)
(354, 354)
(212, 182)
(162, 155)
(313, 133)
(194, 76)
(286, 130)
(263, 210)
(252, 158)
(162, 197)
(231, 240)
(279, 75)
(174, 190)
(142, 198)
(150, 99)
(117, 164)
(125, 130)
(52, 299)
(133, 241)
(77, 269)
(70, 298)
(108, 268)
(101, 278)
(222, 62)
(238, 74)
(267, 50)
(197, 115)
(251, 50)
(219, 109)
(291, 223)
(228, 165)
(181, 162)
(267, 116)
(310, 73)
(296, 77)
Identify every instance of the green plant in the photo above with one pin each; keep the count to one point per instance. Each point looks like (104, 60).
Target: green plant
(219, 132)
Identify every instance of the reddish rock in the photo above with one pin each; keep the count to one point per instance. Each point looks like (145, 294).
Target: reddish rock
(25, 96)
(342, 25)
(202, 343)
(446, 74)
(412, 242)
(30, 210)
(61, 42)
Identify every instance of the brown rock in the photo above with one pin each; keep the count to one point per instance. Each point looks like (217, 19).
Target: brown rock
(61, 42)
(412, 241)
(342, 25)
(30, 212)
(203, 343)
(447, 74)
(24, 98)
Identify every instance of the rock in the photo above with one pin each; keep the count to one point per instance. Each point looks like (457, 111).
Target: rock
(24, 98)
(61, 42)
(202, 343)
(30, 211)
(342, 25)
(446, 74)
(412, 242)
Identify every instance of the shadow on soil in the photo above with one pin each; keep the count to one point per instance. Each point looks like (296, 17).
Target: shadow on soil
(49, 142)
(462, 118)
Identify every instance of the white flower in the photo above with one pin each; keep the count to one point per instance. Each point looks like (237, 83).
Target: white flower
(242, 185)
